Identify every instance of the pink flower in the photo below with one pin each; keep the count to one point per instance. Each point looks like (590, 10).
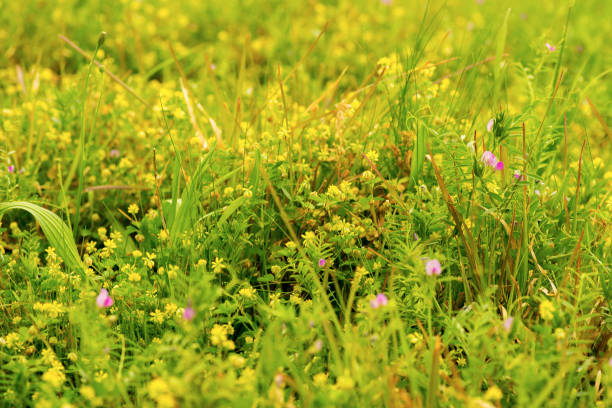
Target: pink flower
(551, 48)
(322, 262)
(490, 124)
(387, 2)
(188, 313)
(517, 174)
(488, 158)
(379, 301)
(11, 168)
(433, 267)
(610, 362)
(103, 299)
(508, 323)
(114, 153)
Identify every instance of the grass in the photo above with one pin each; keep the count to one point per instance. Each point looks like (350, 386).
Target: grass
(259, 187)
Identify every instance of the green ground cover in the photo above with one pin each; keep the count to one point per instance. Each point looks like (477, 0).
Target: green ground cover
(305, 203)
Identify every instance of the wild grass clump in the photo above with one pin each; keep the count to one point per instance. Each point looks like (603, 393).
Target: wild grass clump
(305, 204)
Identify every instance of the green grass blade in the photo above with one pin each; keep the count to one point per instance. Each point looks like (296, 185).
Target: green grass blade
(57, 232)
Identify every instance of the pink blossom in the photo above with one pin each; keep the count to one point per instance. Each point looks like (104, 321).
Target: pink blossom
(433, 267)
(114, 153)
(488, 158)
(379, 301)
(103, 299)
(490, 124)
(11, 168)
(188, 313)
(508, 323)
(551, 48)
(322, 262)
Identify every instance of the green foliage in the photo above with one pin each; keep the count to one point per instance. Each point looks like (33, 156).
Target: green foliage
(265, 199)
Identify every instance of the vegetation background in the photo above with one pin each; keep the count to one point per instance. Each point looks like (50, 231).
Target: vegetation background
(305, 203)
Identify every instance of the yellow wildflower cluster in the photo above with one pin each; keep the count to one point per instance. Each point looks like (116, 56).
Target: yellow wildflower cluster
(51, 309)
(218, 336)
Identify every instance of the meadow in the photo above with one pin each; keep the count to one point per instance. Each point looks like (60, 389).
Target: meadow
(291, 203)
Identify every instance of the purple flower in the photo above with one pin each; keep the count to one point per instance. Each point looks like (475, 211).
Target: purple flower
(489, 159)
(379, 301)
(490, 124)
(114, 153)
(433, 267)
(322, 262)
(188, 313)
(551, 48)
(103, 299)
(508, 323)
(11, 168)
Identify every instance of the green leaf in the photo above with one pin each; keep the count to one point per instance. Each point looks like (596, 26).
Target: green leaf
(57, 232)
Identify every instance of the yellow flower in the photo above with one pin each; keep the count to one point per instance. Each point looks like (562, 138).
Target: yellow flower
(157, 316)
(54, 376)
(218, 265)
(236, 360)
(493, 394)
(248, 293)
(345, 382)
(309, 238)
(159, 390)
(546, 310)
(133, 209)
(163, 235)
(149, 260)
(134, 277)
(88, 392)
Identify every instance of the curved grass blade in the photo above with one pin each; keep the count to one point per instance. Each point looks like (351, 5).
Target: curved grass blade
(57, 232)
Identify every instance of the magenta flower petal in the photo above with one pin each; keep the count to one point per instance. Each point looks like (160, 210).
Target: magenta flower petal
(433, 267)
(11, 168)
(322, 262)
(189, 313)
(382, 300)
(489, 159)
(551, 48)
(103, 299)
(499, 166)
